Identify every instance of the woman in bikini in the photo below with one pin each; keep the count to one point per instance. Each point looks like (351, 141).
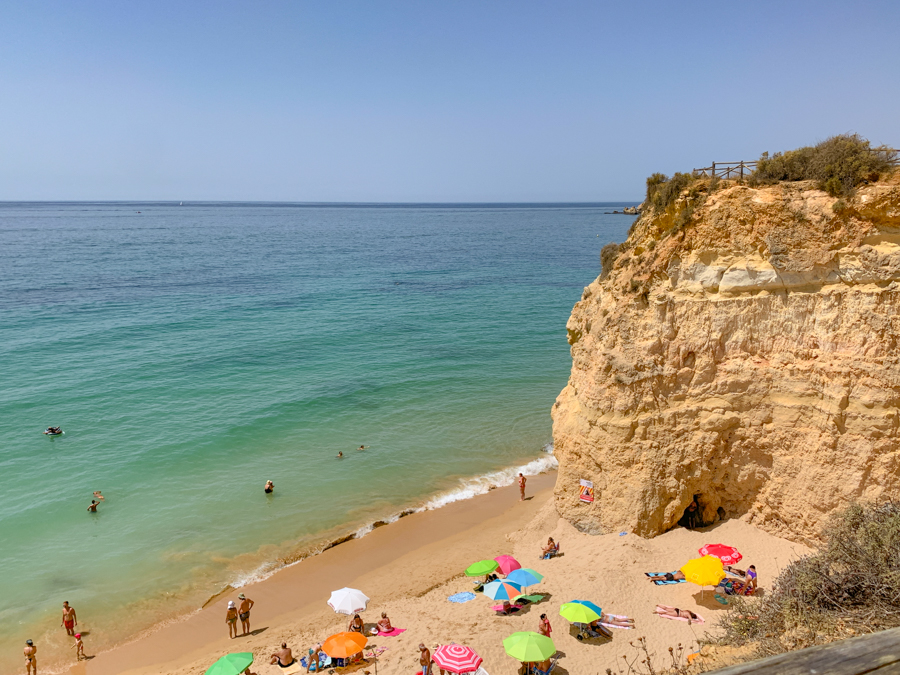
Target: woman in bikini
(675, 613)
(30, 657)
(231, 619)
(356, 624)
(270, 487)
(668, 576)
(384, 624)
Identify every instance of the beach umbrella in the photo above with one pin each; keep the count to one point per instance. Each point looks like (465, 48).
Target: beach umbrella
(231, 664)
(524, 577)
(344, 645)
(729, 555)
(575, 612)
(529, 647)
(481, 568)
(348, 601)
(456, 658)
(507, 563)
(590, 605)
(705, 571)
(502, 590)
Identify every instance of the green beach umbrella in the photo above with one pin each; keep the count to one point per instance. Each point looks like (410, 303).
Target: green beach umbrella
(481, 568)
(231, 664)
(529, 647)
(575, 612)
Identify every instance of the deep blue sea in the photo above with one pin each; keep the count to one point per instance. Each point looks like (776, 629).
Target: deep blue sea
(192, 352)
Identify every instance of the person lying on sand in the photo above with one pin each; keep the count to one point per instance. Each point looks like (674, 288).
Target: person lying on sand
(283, 657)
(665, 610)
(356, 624)
(550, 549)
(621, 621)
(384, 624)
(668, 576)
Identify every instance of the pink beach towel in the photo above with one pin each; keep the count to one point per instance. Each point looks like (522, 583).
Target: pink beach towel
(499, 608)
(391, 633)
(699, 618)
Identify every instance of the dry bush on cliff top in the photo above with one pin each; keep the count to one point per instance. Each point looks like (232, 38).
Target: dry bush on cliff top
(849, 587)
(839, 164)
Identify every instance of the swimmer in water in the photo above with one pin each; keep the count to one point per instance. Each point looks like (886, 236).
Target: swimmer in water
(270, 487)
(93, 507)
(99, 496)
(340, 454)
(362, 447)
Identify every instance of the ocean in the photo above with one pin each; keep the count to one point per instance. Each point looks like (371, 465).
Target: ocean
(192, 352)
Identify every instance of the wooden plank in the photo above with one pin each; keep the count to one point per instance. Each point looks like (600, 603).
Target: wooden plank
(877, 653)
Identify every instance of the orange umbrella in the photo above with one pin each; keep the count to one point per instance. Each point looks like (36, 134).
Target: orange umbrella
(343, 645)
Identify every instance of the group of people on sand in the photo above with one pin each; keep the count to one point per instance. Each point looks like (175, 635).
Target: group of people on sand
(69, 622)
(743, 582)
(233, 613)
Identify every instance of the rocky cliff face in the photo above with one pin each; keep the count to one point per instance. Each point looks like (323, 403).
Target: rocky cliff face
(743, 347)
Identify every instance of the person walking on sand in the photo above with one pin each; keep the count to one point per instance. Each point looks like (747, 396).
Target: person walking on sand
(231, 616)
(69, 618)
(93, 507)
(425, 659)
(79, 647)
(244, 612)
(544, 626)
(30, 658)
(522, 480)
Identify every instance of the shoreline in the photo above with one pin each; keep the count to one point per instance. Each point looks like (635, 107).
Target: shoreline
(334, 564)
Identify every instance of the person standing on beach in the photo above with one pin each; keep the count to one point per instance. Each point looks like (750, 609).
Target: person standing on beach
(244, 612)
(522, 480)
(544, 626)
(425, 659)
(30, 658)
(79, 648)
(231, 617)
(69, 619)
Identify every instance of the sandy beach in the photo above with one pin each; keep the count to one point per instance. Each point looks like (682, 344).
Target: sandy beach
(410, 567)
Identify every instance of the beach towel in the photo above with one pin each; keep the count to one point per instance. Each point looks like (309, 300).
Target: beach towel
(292, 669)
(699, 618)
(528, 598)
(665, 582)
(512, 608)
(616, 616)
(460, 598)
(391, 633)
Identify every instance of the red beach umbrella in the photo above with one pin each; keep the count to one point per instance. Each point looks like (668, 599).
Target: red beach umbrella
(507, 564)
(729, 555)
(456, 658)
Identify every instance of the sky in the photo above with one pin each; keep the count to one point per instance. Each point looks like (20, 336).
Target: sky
(420, 101)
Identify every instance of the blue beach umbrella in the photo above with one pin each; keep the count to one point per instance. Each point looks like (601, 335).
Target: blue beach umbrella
(502, 590)
(590, 605)
(524, 577)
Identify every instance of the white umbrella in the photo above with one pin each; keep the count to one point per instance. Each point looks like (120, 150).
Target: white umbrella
(348, 601)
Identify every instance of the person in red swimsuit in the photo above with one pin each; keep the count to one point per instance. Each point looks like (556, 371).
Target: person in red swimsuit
(69, 619)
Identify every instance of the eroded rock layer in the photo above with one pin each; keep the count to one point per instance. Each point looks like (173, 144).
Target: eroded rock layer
(743, 347)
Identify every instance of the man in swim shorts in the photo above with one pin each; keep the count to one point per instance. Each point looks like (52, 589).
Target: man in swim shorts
(244, 612)
(284, 657)
(93, 507)
(69, 619)
(425, 659)
(30, 658)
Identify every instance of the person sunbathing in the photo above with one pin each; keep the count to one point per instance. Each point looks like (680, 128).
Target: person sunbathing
(678, 575)
(620, 621)
(674, 612)
(384, 624)
(284, 658)
(551, 549)
(356, 624)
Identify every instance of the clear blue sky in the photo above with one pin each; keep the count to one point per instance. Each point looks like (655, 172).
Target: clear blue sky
(544, 100)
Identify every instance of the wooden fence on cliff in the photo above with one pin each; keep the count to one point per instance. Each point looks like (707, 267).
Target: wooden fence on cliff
(743, 169)
(877, 653)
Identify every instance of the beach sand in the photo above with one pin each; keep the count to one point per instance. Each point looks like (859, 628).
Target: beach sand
(410, 567)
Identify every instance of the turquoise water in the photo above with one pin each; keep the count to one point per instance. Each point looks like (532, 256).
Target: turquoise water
(190, 353)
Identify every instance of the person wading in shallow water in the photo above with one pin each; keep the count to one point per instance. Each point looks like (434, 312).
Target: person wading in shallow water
(244, 612)
(30, 658)
(69, 619)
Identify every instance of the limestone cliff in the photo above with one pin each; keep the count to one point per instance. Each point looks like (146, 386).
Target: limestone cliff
(744, 347)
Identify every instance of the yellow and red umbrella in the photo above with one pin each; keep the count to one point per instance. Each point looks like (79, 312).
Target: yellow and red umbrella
(729, 555)
(344, 645)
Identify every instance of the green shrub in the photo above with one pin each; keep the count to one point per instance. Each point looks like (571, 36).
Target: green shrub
(849, 586)
(839, 164)
(608, 255)
(662, 191)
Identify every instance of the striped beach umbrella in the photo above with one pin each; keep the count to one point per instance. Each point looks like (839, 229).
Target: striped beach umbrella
(456, 658)
(502, 590)
(524, 577)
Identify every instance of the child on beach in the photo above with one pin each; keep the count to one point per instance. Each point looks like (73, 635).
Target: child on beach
(79, 647)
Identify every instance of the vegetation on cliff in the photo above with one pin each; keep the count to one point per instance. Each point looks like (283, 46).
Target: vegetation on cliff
(849, 587)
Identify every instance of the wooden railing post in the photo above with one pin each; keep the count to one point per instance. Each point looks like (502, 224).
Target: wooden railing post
(742, 171)
(713, 173)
